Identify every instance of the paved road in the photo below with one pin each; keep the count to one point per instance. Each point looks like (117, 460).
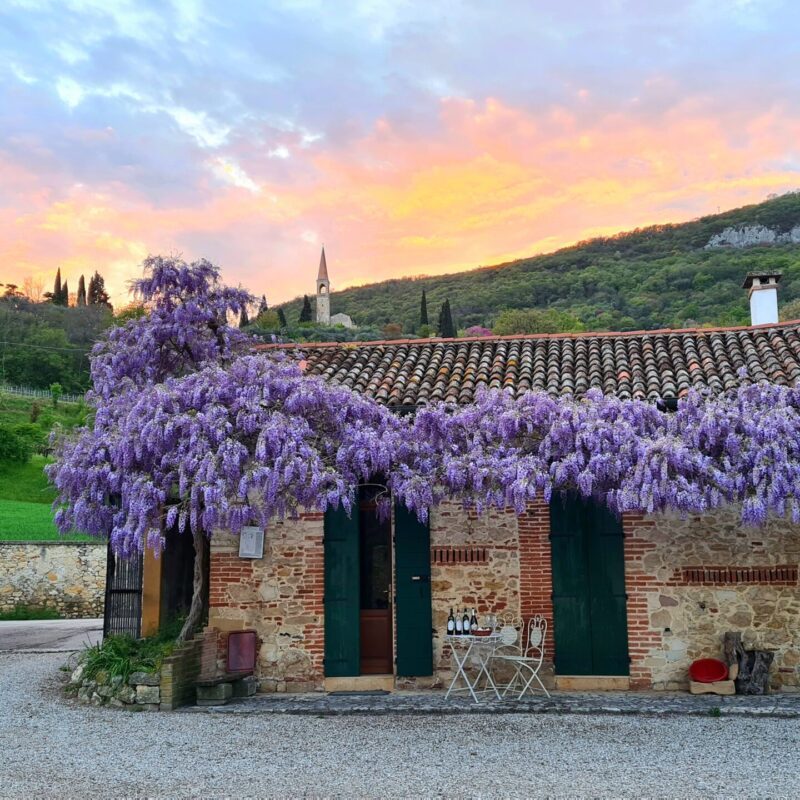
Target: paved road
(54, 748)
(49, 635)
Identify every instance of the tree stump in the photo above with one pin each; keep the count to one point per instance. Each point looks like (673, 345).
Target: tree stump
(748, 668)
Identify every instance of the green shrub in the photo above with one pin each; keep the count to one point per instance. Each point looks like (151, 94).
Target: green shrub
(33, 436)
(124, 655)
(13, 447)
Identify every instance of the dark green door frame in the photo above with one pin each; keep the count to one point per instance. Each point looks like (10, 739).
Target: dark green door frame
(413, 612)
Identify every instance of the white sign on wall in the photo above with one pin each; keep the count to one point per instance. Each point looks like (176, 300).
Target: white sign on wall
(251, 542)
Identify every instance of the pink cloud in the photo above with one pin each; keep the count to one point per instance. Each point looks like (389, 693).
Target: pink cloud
(492, 182)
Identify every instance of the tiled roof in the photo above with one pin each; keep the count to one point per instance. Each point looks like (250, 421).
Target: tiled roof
(646, 364)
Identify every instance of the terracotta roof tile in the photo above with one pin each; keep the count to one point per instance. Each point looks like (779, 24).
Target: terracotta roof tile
(645, 364)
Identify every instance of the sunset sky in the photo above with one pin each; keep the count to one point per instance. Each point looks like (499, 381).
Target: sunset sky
(409, 137)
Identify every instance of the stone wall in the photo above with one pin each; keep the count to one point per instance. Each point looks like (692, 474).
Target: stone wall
(69, 577)
(677, 614)
(280, 597)
(501, 563)
(491, 584)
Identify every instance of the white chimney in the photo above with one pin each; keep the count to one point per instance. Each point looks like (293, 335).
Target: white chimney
(763, 291)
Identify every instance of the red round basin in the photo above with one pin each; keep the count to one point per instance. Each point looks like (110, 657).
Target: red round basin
(708, 670)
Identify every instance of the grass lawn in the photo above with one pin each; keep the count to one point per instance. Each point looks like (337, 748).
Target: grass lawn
(22, 522)
(21, 613)
(15, 409)
(25, 494)
(25, 498)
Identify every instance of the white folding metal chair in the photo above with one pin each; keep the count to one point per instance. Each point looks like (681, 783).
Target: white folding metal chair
(527, 663)
(509, 628)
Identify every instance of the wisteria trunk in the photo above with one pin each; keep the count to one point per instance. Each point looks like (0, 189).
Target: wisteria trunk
(199, 589)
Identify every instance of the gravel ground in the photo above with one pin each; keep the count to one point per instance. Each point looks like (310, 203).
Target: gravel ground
(52, 748)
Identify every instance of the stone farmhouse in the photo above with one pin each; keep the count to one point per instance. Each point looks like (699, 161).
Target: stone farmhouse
(352, 602)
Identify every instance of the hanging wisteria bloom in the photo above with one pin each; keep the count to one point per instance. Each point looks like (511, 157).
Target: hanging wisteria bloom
(193, 430)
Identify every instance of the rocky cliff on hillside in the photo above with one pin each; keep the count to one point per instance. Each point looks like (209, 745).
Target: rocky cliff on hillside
(749, 235)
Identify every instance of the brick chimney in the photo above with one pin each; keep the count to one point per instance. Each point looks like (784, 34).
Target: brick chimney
(762, 289)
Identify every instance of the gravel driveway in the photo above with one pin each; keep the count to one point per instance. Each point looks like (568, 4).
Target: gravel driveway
(52, 748)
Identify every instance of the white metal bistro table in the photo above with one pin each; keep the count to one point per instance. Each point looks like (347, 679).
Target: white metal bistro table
(462, 647)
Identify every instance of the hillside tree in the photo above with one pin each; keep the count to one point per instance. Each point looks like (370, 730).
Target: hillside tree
(57, 294)
(96, 294)
(305, 313)
(447, 329)
(423, 310)
(81, 299)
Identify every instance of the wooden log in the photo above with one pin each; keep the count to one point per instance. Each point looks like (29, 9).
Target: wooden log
(753, 675)
(748, 668)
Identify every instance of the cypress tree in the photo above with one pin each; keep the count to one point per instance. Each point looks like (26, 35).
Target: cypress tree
(56, 299)
(244, 320)
(263, 306)
(447, 329)
(65, 294)
(282, 319)
(305, 314)
(423, 310)
(81, 291)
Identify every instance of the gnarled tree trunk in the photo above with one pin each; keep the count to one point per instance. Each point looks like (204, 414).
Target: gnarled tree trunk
(199, 587)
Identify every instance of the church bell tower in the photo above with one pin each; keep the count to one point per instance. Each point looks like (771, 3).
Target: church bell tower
(323, 292)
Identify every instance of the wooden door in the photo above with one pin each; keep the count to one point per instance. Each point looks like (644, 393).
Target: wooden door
(589, 612)
(375, 615)
(413, 576)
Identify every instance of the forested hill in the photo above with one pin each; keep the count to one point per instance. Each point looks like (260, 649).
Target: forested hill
(657, 277)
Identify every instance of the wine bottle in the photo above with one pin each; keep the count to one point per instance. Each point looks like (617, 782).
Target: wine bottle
(451, 624)
(465, 622)
(459, 626)
(473, 623)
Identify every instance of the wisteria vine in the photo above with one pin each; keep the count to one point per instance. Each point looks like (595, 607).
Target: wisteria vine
(192, 429)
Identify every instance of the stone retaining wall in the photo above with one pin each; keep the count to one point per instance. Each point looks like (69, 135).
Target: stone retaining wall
(171, 687)
(69, 577)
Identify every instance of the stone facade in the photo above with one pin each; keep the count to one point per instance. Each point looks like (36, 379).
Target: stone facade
(69, 577)
(501, 563)
(490, 585)
(280, 596)
(676, 615)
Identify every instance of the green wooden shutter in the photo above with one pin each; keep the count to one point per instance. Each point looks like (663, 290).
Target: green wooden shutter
(589, 602)
(571, 607)
(342, 614)
(608, 602)
(413, 581)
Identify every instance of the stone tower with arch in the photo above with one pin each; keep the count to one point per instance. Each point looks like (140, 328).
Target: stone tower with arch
(323, 292)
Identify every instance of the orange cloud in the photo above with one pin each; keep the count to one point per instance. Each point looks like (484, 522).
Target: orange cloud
(492, 182)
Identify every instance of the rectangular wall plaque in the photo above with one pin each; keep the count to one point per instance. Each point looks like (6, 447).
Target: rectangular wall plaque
(251, 542)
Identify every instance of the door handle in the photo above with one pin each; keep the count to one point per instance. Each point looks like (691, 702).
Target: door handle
(420, 578)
